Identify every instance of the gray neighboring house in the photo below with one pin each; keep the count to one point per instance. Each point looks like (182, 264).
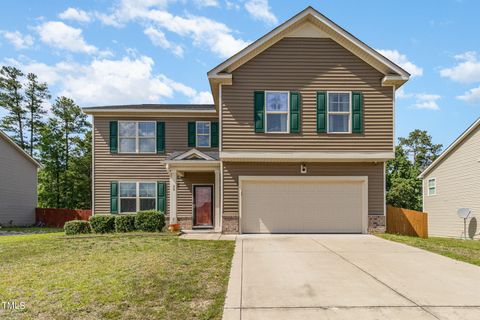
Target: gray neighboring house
(18, 184)
(452, 182)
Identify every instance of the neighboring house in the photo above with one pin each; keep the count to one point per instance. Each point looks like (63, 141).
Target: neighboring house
(450, 183)
(18, 184)
(296, 141)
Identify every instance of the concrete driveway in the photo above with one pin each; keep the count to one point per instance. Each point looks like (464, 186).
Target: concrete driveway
(346, 277)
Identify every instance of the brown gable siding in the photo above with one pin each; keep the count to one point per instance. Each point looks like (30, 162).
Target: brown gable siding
(116, 167)
(307, 65)
(232, 170)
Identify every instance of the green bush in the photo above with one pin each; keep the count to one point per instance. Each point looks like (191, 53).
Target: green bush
(150, 221)
(103, 223)
(77, 227)
(125, 223)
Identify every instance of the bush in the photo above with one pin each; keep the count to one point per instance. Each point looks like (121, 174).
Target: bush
(150, 221)
(102, 223)
(125, 223)
(77, 227)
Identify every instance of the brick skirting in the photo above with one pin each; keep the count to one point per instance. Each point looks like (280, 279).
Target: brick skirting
(376, 223)
(230, 224)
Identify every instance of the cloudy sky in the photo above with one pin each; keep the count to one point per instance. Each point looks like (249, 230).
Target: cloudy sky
(158, 51)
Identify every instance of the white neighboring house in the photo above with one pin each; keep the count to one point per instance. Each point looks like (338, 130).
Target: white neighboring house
(18, 184)
(452, 182)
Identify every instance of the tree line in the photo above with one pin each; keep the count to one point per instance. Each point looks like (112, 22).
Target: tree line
(57, 135)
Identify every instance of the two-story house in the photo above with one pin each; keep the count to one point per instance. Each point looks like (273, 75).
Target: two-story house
(296, 141)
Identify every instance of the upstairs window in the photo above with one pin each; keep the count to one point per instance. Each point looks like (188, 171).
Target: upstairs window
(276, 111)
(432, 187)
(339, 112)
(203, 134)
(137, 136)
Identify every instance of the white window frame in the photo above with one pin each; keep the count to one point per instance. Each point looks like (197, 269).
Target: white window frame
(277, 112)
(203, 134)
(434, 187)
(137, 138)
(349, 113)
(137, 197)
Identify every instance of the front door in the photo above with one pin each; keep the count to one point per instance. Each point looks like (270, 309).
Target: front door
(203, 206)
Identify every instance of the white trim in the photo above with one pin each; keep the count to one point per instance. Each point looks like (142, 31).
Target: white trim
(173, 196)
(196, 164)
(393, 117)
(213, 226)
(133, 110)
(276, 112)
(294, 156)
(447, 151)
(93, 167)
(137, 137)
(434, 187)
(363, 179)
(192, 152)
(203, 134)
(384, 190)
(220, 226)
(349, 113)
(137, 194)
(220, 107)
(19, 149)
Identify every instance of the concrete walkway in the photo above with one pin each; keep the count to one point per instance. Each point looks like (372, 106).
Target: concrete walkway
(346, 277)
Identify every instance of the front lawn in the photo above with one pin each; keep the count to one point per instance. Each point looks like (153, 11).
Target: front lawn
(124, 276)
(17, 230)
(463, 250)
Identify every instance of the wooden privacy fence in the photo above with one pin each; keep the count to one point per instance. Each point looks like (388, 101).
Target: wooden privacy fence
(51, 217)
(407, 222)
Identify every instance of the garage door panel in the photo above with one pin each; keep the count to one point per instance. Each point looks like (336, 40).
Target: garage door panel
(302, 206)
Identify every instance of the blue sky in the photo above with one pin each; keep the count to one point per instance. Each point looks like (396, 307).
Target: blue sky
(159, 51)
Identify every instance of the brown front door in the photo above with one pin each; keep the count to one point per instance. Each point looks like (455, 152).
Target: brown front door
(203, 206)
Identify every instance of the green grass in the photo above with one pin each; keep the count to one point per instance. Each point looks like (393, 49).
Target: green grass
(118, 276)
(463, 250)
(32, 229)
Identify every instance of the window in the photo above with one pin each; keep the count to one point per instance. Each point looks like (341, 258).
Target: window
(203, 134)
(276, 111)
(339, 112)
(432, 187)
(137, 136)
(137, 196)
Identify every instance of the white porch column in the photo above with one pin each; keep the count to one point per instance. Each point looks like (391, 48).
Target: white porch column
(173, 196)
(217, 201)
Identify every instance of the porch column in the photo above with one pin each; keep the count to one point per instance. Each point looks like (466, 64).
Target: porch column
(173, 196)
(218, 219)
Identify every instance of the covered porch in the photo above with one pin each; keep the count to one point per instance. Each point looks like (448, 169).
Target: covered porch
(194, 190)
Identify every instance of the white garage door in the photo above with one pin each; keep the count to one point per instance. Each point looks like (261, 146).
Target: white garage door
(308, 205)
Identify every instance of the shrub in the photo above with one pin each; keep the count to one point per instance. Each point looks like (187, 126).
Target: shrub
(77, 227)
(102, 223)
(125, 223)
(150, 221)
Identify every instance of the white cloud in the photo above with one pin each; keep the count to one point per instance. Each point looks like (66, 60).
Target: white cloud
(260, 10)
(17, 39)
(206, 3)
(426, 101)
(402, 61)
(205, 33)
(105, 82)
(59, 35)
(471, 96)
(75, 15)
(466, 71)
(159, 39)
(203, 97)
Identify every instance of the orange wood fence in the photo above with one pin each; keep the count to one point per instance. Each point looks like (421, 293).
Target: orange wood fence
(51, 217)
(407, 222)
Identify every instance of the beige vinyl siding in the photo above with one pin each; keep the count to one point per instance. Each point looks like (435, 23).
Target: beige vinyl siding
(232, 170)
(185, 190)
(116, 167)
(458, 186)
(18, 187)
(306, 65)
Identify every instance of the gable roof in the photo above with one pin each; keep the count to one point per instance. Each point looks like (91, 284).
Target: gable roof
(20, 150)
(193, 154)
(394, 74)
(451, 147)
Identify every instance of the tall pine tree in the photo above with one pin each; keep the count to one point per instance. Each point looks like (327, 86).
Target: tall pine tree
(36, 94)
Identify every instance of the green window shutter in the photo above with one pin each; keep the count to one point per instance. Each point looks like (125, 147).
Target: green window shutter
(192, 132)
(161, 196)
(321, 112)
(113, 197)
(259, 111)
(160, 137)
(113, 136)
(294, 112)
(357, 112)
(214, 134)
